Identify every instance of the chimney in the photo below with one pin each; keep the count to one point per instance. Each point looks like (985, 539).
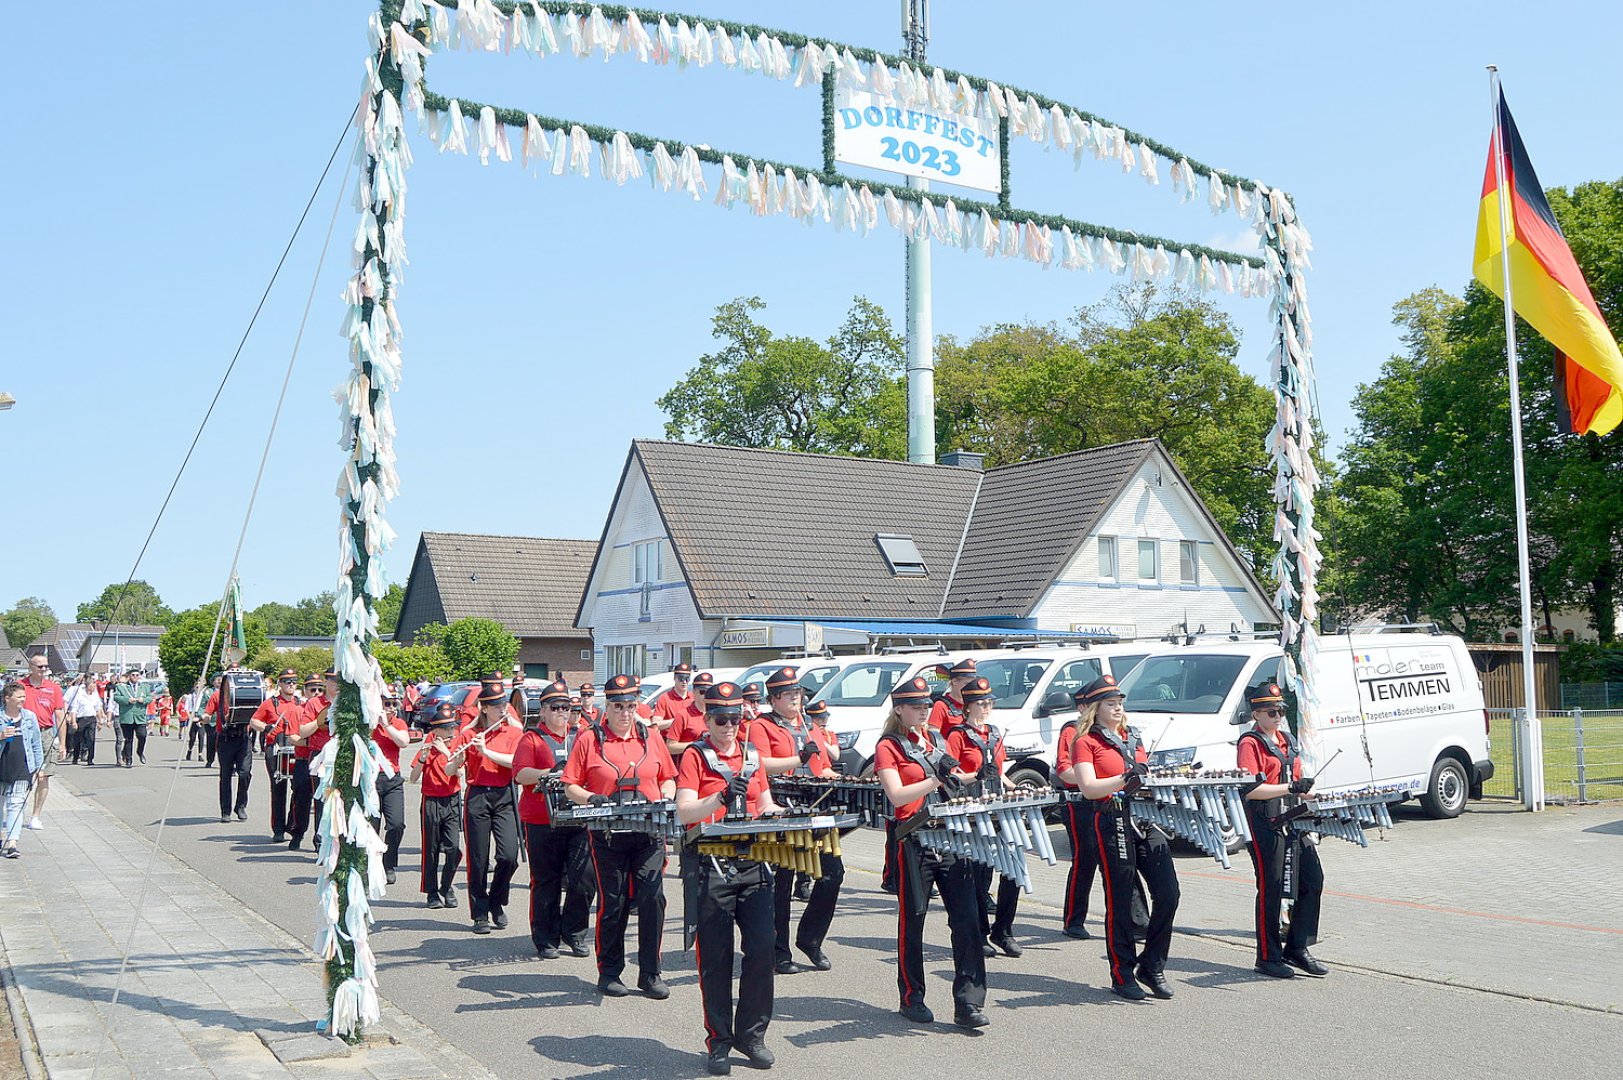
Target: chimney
(966, 459)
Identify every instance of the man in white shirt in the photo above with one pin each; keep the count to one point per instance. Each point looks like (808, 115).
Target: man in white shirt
(84, 705)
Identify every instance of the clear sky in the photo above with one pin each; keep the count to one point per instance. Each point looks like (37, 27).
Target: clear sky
(158, 155)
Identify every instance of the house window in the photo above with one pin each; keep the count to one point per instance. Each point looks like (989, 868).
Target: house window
(628, 660)
(1188, 562)
(1149, 560)
(680, 653)
(646, 562)
(901, 553)
(1107, 558)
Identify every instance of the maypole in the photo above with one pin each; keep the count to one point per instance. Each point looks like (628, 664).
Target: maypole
(349, 850)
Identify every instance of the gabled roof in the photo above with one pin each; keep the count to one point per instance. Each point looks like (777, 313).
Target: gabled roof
(528, 584)
(1029, 521)
(769, 532)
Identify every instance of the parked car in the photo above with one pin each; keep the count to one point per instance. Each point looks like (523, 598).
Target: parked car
(454, 692)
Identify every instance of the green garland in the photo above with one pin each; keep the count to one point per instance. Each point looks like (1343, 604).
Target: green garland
(519, 119)
(651, 17)
(830, 161)
(1003, 164)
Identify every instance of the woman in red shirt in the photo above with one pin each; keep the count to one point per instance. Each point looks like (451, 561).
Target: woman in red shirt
(391, 737)
(622, 761)
(978, 746)
(1110, 766)
(484, 752)
(721, 776)
(823, 893)
(561, 881)
(441, 809)
(912, 768)
(1270, 752)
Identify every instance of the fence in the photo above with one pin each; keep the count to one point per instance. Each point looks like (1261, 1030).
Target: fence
(1592, 695)
(1583, 755)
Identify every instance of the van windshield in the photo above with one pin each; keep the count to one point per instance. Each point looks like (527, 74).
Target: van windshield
(1197, 683)
(865, 684)
(1012, 679)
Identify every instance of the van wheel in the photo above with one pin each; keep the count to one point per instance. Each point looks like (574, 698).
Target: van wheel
(1449, 788)
(1036, 778)
(867, 770)
(1233, 842)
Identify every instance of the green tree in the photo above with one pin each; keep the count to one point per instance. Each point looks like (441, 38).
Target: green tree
(794, 393)
(478, 647)
(182, 647)
(388, 608)
(311, 617)
(141, 606)
(308, 661)
(408, 663)
(28, 619)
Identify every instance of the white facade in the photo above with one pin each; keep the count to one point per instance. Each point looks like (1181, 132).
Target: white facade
(1155, 509)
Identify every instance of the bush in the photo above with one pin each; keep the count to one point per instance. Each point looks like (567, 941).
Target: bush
(478, 647)
(182, 646)
(408, 663)
(308, 661)
(1588, 662)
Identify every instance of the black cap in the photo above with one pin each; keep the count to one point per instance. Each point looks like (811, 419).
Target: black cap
(444, 714)
(492, 688)
(1098, 690)
(703, 679)
(554, 692)
(977, 690)
(724, 699)
(684, 668)
(785, 678)
(287, 673)
(752, 691)
(817, 710)
(1265, 694)
(622, 688)
(963, 669)
(913, 690)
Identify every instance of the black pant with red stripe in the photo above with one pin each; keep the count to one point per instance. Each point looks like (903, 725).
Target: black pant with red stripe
(734, 893)
(1124, 857)
(281, 791)
(1267, 850)
(392, 803)
(301, 789)
(442, 843)
(819, 913)
(1078, 817)
(490, 821)
(630, 870)
(917, 868)
(562, 885)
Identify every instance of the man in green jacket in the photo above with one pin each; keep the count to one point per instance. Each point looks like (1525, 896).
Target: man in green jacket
(131, 703)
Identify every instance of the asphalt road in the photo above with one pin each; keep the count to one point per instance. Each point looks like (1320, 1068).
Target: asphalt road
(1051, 1011)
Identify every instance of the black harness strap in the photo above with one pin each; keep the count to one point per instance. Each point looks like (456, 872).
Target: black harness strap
(987, 775)
(624, 785)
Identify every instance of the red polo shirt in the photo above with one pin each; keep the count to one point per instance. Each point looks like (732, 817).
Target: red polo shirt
(1106, 761)
(968, 754)
(436, 781)
(533, 753)
(946, 714)
(770, 739)
(479, 770)
(1253, 759)
(1063, 756)
(687, 728)
(697, 776)
(597, 769)
(889, 756)
(320, 736)
(828, 750)
(389, 748)
(281, 716)
(43, 701)
(678, 709)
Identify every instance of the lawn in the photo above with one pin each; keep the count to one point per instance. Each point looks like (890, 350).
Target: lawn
(1603, 757)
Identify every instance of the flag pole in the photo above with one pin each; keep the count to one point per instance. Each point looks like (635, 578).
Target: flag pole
(1532, 729)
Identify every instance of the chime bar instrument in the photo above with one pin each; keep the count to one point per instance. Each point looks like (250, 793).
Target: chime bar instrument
(1205, 808)
(1344, 814)
(636, 814)
(843, 795)
(993, 830)
(794, 841)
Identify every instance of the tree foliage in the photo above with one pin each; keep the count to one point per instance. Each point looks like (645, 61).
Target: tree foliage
(182, 647)
(1427, 530)
(311, 617)
(308, 661)
(388, 608)
(140, 606)
(408, 663)
(794, 393)
(478, 647)
(28, 619)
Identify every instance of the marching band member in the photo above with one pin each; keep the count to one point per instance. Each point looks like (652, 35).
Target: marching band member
(1270, 751)
(589, 712)
(780, 736)
(623, 759)
(752, 703)
(676, 703)
(441, 818)
(911, 769)
(1110, 765)
(1078, 817)
(283, 715)
(320, 692)
(391, 737)
(561, 881)
(825, 890)
(949, 711)
(978, 746)
(483, 751)
(689, 727)
(719, 773)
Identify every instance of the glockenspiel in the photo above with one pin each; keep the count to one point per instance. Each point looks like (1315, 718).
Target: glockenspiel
(993, 830)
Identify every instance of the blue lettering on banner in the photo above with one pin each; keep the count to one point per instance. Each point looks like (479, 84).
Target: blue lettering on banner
(943, 161)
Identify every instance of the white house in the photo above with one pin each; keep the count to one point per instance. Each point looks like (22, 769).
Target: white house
(724, 556)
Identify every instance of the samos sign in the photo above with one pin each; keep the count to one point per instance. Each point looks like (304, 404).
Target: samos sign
(877, 134)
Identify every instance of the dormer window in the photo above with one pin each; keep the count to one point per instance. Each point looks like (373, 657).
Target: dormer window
(901, 553)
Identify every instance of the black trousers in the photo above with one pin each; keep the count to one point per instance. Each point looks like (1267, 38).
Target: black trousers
(236, 753)
(298, 792)
(84, 743)
(197, 738)
(129, 737)
(490, 822)
(887, 876)
(630, 870)
(441, 819)
(1123, 857)
(1267, 850)
(917, 868)
(392, 801)
(212, 739)
(281, 792)
(1078, 818)
(743, 900)
(996, 919)
(562, 885)
(70, 739)
(819, 913)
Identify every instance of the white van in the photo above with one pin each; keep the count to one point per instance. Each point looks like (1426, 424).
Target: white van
(1403, 709)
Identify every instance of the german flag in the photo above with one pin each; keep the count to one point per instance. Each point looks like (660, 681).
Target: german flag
(1549, 290)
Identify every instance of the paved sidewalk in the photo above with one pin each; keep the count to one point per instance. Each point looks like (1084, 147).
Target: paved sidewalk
(210, 989)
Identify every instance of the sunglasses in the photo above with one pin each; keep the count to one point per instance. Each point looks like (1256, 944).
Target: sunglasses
(1272, 712)
(557, 708)
(725, 721)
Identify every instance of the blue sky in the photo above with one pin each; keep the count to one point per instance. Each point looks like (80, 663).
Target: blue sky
(159, 155)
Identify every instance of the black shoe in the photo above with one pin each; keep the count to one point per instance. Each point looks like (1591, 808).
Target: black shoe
(611, 986)
(434, 901)
(1305, 962)
(242, 815)
(1078, 931)
(388, 877)
(919, 1014)
(987, 950)
(481, 925)
(1007, 944)
(1129, 990)
(224, 818)
(787, 967)
(759, 1055)
(1156, 981)
(188, 758)
(499, 917)
(450, 897)
(547, 952)
(970, 1018)
(578, 948)
(888, 886)
(143, 758)
(1274, 969)
(818, 958)
(293, 843)
(717, 1064)
(653, 986)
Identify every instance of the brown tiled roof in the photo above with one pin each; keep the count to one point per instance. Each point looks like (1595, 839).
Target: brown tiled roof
(528, 584)
(774, 533)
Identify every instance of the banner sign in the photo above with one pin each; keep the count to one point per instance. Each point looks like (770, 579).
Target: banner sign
(751, 637)
(915, 141)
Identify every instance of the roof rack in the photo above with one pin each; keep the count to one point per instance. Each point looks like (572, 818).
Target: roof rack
(1388, 627)
(937, 648)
